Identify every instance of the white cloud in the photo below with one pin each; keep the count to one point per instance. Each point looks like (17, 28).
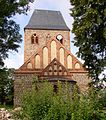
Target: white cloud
(15, 60)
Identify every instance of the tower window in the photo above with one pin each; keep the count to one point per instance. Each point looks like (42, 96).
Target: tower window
(61, 41)
(34, 39)
(59, 37)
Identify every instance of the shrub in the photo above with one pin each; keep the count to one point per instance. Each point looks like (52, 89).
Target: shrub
(41, 103)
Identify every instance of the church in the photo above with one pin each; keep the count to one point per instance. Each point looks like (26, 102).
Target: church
(47, 54)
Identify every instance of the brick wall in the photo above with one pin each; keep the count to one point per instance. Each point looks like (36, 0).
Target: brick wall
(30, 49)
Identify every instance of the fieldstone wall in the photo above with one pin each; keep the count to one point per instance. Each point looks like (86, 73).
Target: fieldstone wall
(82, 80)
(22, 83)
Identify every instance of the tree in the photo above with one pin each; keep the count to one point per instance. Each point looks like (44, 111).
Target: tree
(6, 86)
(9, 41)
(9, 30)
(89, 28)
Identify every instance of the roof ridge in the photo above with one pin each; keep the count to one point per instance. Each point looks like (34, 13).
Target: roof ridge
(46, 10)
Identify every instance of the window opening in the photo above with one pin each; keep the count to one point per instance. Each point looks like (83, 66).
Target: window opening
(34, 39)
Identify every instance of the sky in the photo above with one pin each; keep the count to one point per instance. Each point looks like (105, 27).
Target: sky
(15, 60)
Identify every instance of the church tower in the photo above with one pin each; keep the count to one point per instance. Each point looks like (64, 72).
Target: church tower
(47, 54)
(43, 26)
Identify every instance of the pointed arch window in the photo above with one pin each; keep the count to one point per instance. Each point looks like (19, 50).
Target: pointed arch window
(59, 37)
(34, 39)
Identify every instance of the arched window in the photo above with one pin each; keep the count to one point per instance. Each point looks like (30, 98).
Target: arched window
(61, 56)
(53, 50)
(34, 39)
(77, 66)
(69, 62)
(59, 37)
(37, 61)
(29, 65)
(61, 41)
(45, 57)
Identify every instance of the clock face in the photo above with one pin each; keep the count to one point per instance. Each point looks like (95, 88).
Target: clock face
(59, 37)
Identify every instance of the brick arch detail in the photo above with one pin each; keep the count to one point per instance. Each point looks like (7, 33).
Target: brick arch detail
(77, 66)
(69, 62)
(45, 56)
(62, 53)
(37, 62)
(53, 50)
(66, 58)
(29, 66)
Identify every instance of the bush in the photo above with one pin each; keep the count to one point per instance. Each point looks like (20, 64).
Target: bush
(6, 86)
(41, 103)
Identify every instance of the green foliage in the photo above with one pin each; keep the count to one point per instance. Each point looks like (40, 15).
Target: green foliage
(9, 41)
(6, 86)
(9, 30)
(43, 104)
(89, 28)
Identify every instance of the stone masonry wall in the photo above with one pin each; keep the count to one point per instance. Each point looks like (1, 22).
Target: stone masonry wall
(82, 80)
(30, 49)
(22, 83)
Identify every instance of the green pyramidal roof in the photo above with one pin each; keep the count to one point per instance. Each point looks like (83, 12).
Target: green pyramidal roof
(47, 19)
